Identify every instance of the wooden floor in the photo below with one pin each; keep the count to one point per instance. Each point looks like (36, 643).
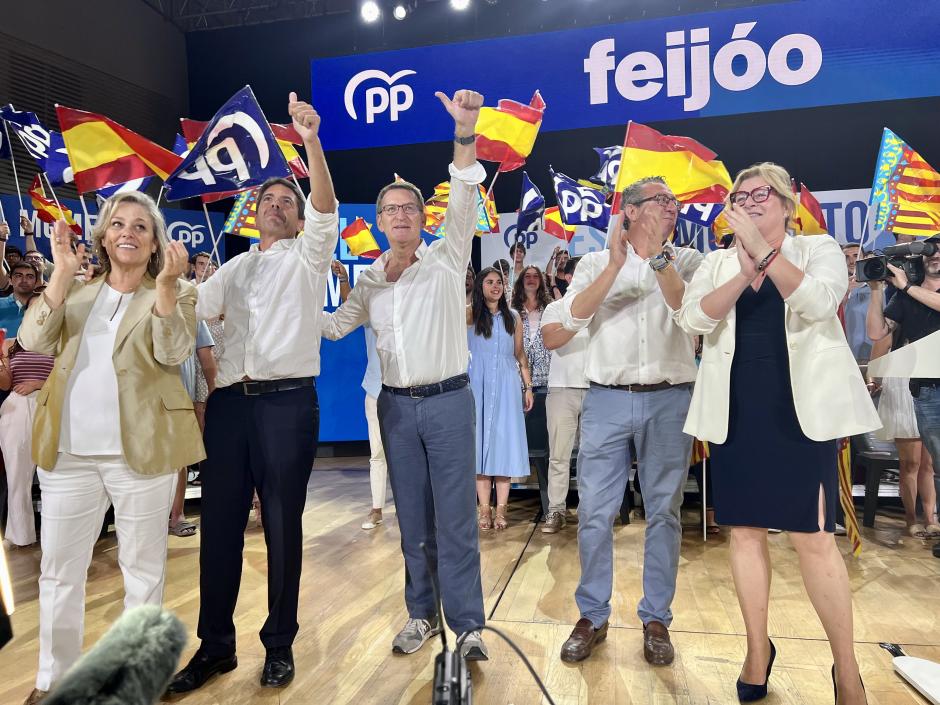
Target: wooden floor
(352, 605)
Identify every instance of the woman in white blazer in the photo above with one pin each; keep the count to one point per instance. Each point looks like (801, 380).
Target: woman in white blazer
(777, 385)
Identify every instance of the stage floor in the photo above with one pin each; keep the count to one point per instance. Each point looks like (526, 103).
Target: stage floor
(352, 605)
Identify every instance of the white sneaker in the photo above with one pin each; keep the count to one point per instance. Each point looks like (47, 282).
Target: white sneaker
(375, 518)
(840, 530)
(413, 635)
(473, 648)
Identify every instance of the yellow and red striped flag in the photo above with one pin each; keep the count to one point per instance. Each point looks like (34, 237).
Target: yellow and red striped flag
(700, 451)
(506, 134)
(48, 211)
(556, 227)
(809, 219)
(845, 496)
(241, 220)
(359, 239)
(690, 169)
(104, 153)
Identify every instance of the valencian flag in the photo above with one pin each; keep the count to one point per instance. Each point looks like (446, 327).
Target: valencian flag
(905, 190)
(845, 496)
(105, 153)
(809, 219)
(903, 220)
(236, 151)
(436, 206)
(580, 205)
(241, 219)
(610, 166)
(531, 205)
(359, 239)
(506, 134)
(285, 135)
(690, 169)
(48, 211)
(556, 227)
(32, 134)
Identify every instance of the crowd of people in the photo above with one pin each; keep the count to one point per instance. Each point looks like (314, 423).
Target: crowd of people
(631, 352)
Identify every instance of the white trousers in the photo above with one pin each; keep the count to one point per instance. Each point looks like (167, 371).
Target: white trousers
(378, 469)
(75, 498)
(563, 413)
(16, 435)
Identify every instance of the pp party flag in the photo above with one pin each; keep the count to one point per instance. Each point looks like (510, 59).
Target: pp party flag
(32, 134)
(610, 166)
(236, 151)
(580, 205)
(359, 239)
(285, 135)
(105, 153)
(5, 151)
(133, 185)
(241, 219)
(556, 227)
(49, 211)
(690, 169)
(531, 204)
(703, 214)
(58, 167)
(809, 219)
(506, 134)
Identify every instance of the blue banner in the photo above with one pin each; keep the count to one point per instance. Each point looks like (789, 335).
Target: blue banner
(188, 227)
(531, 204)
(768, 57)
(34, 136)
(580, 205)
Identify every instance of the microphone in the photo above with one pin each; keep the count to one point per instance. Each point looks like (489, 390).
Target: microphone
(452, 684)
(130, 665)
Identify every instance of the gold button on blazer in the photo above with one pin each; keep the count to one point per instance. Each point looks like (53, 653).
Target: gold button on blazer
(159, 432)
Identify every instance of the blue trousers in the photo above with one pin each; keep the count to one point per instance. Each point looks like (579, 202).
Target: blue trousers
(429, 447)
(927, 410)
(653, 421)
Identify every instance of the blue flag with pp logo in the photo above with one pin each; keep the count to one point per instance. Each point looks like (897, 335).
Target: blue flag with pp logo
(34, 136)
(531, 205)
(609, 168)
(580, 205)
(5, 151)
(703, 214)
(236, 151)
(58, 167)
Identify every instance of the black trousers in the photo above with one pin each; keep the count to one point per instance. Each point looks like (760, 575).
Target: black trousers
(266, 442)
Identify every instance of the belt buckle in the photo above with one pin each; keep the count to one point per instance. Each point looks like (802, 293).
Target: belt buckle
(411, 393)
(246, 388)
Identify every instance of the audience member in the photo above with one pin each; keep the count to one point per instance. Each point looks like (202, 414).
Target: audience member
(855, 307)
(530, 297)
(24, 278)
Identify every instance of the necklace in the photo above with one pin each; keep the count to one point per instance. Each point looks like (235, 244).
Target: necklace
(117, 308)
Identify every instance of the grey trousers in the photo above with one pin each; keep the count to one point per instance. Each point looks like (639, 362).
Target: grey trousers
(429, 447)
(563, 412)
(653, 421)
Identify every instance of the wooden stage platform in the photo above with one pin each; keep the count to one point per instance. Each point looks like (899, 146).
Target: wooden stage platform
(351, 606)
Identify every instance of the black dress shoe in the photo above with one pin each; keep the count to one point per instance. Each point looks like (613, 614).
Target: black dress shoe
(201, 668)
(278, 668)
(750, 692)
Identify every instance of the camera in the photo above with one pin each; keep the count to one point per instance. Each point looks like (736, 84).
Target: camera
(908, 257)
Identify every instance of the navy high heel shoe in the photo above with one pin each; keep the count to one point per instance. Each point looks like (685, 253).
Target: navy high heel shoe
(835, 690)
(749, 692)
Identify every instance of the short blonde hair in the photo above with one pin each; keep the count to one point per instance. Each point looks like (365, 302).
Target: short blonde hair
(155, 265)
(776, 177)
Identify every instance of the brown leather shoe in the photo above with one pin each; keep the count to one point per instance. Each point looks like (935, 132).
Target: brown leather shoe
(657, 649)
(582, 640)
(36, 697)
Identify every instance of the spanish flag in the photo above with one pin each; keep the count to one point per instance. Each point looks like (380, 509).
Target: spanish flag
(809, 219)
(556, 227)
(506, 134)
(690, 169)
(48, 211)
(359, 239)
(104, 153)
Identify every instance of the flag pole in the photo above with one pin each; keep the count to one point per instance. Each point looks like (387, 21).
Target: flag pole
(864, 234)
(160, 195)
(87, 221)
(215, 242)
(54, 197)
(16, 179)
(704, 498)
(3, 216)
(489, 192)
(616, 206)
(296, 182)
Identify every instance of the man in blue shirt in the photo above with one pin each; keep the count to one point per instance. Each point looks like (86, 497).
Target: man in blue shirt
(24, 277)
(856, 308)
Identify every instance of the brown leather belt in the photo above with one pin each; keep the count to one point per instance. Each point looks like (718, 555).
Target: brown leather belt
(659, 386)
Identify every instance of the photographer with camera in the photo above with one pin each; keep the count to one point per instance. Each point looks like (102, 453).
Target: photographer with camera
(914, 312)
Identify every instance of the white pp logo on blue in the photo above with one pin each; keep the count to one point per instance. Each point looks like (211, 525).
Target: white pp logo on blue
(395, 99)
(186, 233)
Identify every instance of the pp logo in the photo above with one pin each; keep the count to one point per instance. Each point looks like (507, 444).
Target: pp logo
(394, 99)
(527, 238)
(185, 233)
(225, 156)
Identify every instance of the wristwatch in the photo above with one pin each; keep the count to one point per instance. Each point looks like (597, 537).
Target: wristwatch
(661, 261)
(906, 287)
(465, 140)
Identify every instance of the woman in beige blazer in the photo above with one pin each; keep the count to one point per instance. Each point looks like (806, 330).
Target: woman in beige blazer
(776, 385)
(113, 421)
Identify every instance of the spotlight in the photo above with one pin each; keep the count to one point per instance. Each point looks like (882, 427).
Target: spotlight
(370, 11)
(400, 11)
(460, 4)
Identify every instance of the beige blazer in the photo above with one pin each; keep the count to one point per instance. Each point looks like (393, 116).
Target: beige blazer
(829, 393)
(159, 432)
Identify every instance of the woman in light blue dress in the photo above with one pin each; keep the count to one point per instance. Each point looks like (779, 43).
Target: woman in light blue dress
(497, 359)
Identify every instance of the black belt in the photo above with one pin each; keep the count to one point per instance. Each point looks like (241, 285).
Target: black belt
(429, 390)
(659, 386)
(253, 388)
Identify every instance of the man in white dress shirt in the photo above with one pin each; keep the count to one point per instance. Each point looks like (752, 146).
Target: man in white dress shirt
(640, 366)
(413, 297)
(262, 420)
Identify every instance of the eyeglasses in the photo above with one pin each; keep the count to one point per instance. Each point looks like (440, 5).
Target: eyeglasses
(663, 200)
(758, 195)
(407, 208)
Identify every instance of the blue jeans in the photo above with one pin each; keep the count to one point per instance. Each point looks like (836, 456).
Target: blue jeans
(610, 419)
(927, 410)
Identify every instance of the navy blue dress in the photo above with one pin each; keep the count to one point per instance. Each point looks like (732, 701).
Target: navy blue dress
(768, 473)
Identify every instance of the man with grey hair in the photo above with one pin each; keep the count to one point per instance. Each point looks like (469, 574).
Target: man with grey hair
(414, 299)
(640, 367)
